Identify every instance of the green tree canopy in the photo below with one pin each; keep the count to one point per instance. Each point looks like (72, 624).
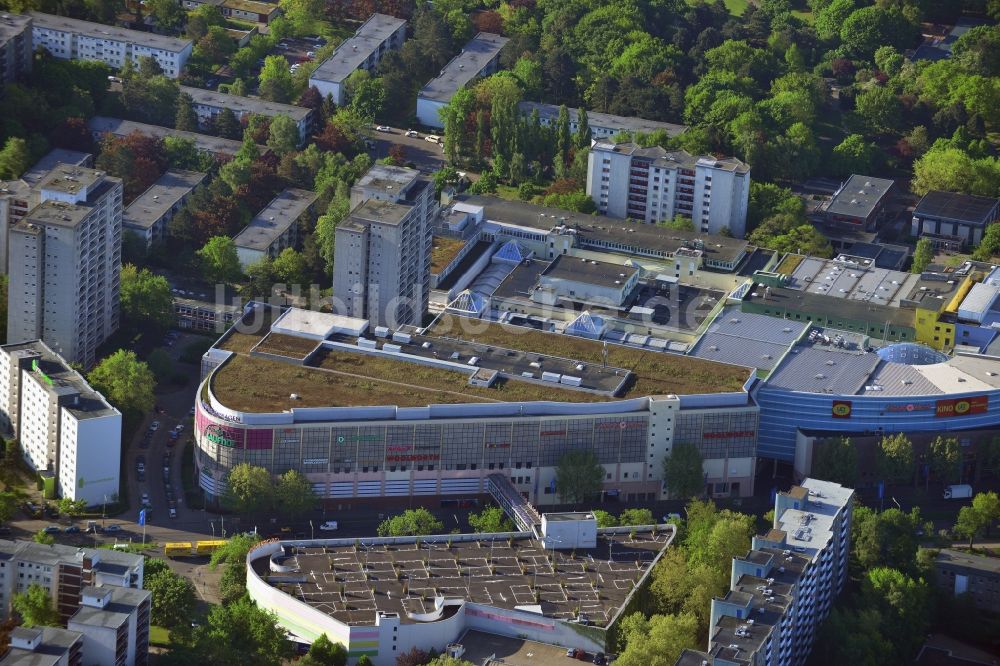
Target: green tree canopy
(923, 255)
(294, 494)
(145, 297)
(219, 260)
(125, 381)
(275, 81)
(35, 607)
(604, 519)
(579, 476)
(885, 539)
(631, 517)
(682, 471)
(491, 519)
(14, 158)
(658, 640)
(173, 596)
(324, 652)
(895, 458)
(283, 134)
(945, 456)
(412, 522)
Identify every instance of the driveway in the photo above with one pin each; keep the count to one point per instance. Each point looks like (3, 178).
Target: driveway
(427, 157)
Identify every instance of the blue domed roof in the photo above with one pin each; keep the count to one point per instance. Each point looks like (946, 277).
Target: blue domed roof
(911, 353)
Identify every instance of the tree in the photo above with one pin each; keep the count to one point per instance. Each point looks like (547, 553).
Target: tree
(368, 95)
(227, 125)
(831, 18)
(969, 524)
(35, 607)
(489, 520)
(412, 522)
(240, 633)
(954, 170)
(631, 517)
(290, 267)
(173, 596)
(413, 657)
(854, 155)
(885, 539)
(8, 501)
(564, 140)
(682, 471)
(43, 537)
(71, 507)
(219, 260)
(579, 476)
(125, 381)
(904, 606)
(249, 489)
(849, 637)
(276, 82)
(922, 256)
(216, 46)
(679, 223)
(326, 229)
(440, 660)
(583, 132)
(658, 641)
(604, 519)
(879, 108)
(167, 14)
(945, 455)
(283, 135)
(895, 458)
(836, 460)
(987, 505)
(324, 652)
(869, 28)
(14, 158)
(294, 493)
(145, 297)
(186, 119)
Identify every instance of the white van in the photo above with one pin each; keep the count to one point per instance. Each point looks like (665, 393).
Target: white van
(433, 138)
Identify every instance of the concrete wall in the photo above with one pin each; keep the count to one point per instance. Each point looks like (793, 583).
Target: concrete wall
(96, 447)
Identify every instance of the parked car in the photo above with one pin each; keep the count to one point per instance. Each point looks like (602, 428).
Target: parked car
(328, 526)
(172, 512)
(113, 528)
(383, 128)
(140, 467)
(413, 134)
(180, 428)
(154, 426)
(72, 529)
(576, 653)
(145, 499)
(433, 138)
(52, 529)
(600, 659)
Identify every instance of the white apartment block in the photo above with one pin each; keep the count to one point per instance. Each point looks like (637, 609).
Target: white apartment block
(73, 39)
(65, 571)
(602, 125)
(65, 260)
(382, 256)
(363, 50)
(274, 228)
(114, 623)
(68, 431)
(480, 57)
(48, 646)
(147, 217)
(19, 196)
(15, 47)
(653, 185)
(208, 104)
(784, 587)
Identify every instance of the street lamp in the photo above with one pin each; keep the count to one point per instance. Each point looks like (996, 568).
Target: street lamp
(312, 529)
(104, 511)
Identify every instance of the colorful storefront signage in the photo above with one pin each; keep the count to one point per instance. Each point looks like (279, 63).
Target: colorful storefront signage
(841, 409)
(962, 406)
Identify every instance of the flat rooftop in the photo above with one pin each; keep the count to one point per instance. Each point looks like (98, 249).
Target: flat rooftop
(953, 206)
(101, 31)
(241, 105)
(54, 158)
(386, 179)
(443, 251)
(62, 214)
(613, 123)
(150, 206)
(11, 25)
(811, 526)
(351, 583)
(747, 339)
(673, 158)
(589, 271)
(962, 560)
(211, 144)
(55, 643)
(485, 649)
(380, 212)
(70, 179)
(784, 299)
(656, 372)
(609, 234)
(859, 196)
(353, 52)
(124, 602)
(464, 67)
(268, 225)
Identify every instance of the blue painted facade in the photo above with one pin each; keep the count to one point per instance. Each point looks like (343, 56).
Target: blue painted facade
(783, 412)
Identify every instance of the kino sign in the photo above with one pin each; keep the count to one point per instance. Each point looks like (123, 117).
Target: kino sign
(217, 435)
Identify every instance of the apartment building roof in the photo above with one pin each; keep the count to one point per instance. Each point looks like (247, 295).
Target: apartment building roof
(12, 25)
(61, 379)
(610, 234)
(53, 643)
(956, 559)
(964, 208)
(251, 6)
(123, 603)
(240, 105)
(607, 120)
(58, 553)
(101, 31)
(161, 196)
(859, 196)
(269, 224)
(204, 142)
(375, 211)
(388, 179)
(464, 67)
(54, 213)
(811, 527)
(577, 269)
(53, 159)
(69, 179)
(353, 52)
(673, 158)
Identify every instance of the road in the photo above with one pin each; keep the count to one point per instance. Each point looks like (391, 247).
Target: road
(425, 156)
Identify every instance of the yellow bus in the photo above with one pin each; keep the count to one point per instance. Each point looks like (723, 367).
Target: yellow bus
(208, 547)
(178, 549)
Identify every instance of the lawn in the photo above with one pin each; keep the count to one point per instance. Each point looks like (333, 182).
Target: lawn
(659, 373)
(159, 636)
